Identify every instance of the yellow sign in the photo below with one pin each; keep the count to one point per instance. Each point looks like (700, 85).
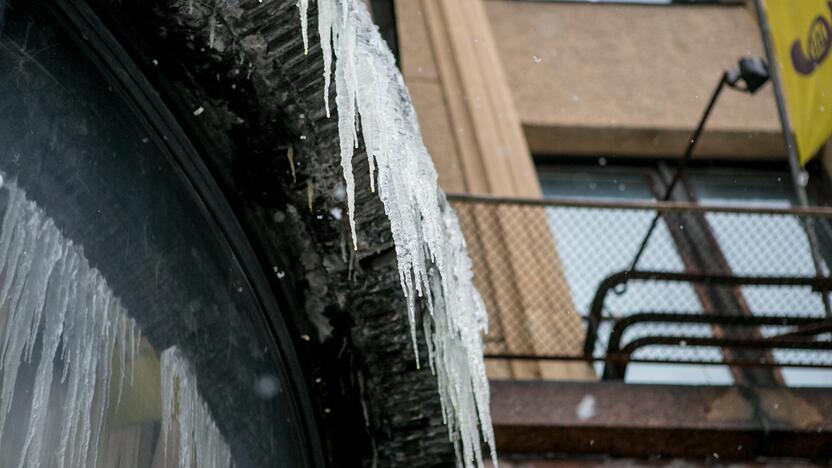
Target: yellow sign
(802, 37)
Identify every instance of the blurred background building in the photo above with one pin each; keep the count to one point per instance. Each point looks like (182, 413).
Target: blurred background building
(715, 343)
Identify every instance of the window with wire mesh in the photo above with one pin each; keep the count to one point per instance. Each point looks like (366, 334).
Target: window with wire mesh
(539, 268)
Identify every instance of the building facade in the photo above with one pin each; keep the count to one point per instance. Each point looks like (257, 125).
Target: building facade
(674, 296)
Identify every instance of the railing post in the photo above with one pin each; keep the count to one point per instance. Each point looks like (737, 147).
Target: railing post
(594, 318)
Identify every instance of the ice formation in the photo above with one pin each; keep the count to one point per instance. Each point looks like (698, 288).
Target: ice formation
(185, 415)
(56, 309)
(430, 248)
(52, 301)
(303, 6)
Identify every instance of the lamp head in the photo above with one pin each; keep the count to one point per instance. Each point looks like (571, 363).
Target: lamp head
(751, 71)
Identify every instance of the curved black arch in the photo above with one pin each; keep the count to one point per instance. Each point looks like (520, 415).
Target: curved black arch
(103, 49)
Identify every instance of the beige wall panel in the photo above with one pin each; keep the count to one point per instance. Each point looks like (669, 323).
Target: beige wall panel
(497, 293)
(512, 295)
(513, 147)
(477, 175)
(630, 67)
(503, 294)
(554, 325)
(429, 101)
(826, 158)
(415, 54)
(547, 304)
(459, 51)
(617, 141)
(474, 134)
(505, 159)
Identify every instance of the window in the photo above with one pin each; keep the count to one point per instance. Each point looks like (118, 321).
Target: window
(613, 237)
(131, 334)
(594, 243)
(791, 256)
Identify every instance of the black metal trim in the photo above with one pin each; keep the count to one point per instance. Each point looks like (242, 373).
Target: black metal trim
(619, 357)
(754, 343)
(185, 157)
(384, 15)
(610, 282)
(620, 327)
(668, 207)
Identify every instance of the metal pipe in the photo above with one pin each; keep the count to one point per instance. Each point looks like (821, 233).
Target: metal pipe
(723, 80)
(668, 207)
(823, 284)
(621, 325)
(617, 370)
(799, 177)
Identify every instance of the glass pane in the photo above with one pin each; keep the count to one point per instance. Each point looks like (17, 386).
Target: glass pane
(773, 189)
(129, 334)
(594, 243)
(595, 185)
(765, 245)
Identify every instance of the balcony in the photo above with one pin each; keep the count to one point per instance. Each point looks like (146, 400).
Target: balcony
(720, 295)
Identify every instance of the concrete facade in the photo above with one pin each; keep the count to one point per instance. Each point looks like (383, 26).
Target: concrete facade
(495, 82)
(455, 75)
(632, 79)
(584, 79)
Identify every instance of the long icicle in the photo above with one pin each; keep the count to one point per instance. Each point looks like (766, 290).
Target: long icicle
(54, 300)
(186, 414)
(432, 259)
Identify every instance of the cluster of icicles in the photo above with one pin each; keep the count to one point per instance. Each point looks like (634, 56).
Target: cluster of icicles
(200, 440)
(432, 259)
(57, 309)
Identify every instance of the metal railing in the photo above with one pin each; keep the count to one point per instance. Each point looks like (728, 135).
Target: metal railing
(726, 285)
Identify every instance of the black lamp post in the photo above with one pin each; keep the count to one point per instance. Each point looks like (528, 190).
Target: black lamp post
(748, 75)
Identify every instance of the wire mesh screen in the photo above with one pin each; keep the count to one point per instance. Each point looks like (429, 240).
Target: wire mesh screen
(539, 266)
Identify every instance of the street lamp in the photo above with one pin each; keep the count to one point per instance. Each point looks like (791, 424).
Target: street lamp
(748, 75)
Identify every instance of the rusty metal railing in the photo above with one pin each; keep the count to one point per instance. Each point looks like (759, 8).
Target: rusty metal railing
(726, 285)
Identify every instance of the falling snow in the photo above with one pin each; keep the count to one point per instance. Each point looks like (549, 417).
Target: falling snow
(586, 408)
(430, 248)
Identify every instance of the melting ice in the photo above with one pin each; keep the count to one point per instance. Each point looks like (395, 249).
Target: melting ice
(67, 352)
(430, 248)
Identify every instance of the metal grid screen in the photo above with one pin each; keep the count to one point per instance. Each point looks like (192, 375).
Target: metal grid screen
(539, 266)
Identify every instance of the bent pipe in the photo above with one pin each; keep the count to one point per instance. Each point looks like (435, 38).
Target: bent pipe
(818, 284)
(749, 343)
(616, 367)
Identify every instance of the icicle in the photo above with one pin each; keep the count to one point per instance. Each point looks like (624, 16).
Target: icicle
(430, 248)
(55, 313)
(212, 30)
(122, 332)
(345, 101)
(326, 17)
(303, 6)
(53, 299)
(310, 193)
(136, 342)
(186, 414)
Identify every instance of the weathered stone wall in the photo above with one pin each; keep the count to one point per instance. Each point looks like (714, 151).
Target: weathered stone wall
(242, 63)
